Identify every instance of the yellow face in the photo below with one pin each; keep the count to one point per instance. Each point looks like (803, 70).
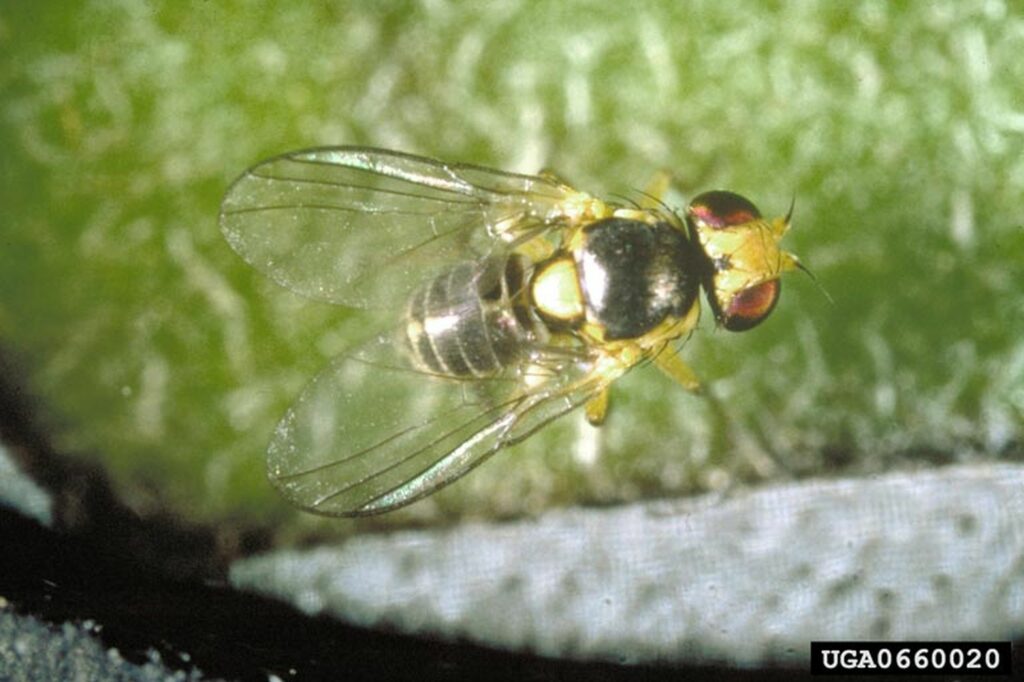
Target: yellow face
(743, 256)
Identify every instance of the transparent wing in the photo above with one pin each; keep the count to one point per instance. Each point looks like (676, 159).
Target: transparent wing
(362, 226)
(370, 433)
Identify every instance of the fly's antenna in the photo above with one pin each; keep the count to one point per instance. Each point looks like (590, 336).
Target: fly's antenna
(789, 213)
(803, 268)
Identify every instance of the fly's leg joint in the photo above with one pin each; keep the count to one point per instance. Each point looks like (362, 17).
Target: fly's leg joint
(597, 408)
(671, 364)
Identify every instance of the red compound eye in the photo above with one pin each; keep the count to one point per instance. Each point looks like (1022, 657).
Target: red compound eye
(749, 307)
(718, 209)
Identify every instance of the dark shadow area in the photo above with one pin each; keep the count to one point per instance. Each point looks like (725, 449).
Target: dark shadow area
(229, 634)
(85, 505)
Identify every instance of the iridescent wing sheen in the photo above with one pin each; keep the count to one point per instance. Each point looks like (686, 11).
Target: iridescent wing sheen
(372, 433)
(362, 226)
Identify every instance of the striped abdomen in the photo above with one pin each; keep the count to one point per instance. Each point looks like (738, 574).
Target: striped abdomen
(469, 321)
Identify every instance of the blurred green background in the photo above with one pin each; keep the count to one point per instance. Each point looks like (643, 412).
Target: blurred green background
(897, 127)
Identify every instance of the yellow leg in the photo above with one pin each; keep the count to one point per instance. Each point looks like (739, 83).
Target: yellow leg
(597, 408)
(670, 363)
(656, 190)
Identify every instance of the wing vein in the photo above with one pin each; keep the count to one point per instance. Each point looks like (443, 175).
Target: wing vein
(415, 453)
(366, 188)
